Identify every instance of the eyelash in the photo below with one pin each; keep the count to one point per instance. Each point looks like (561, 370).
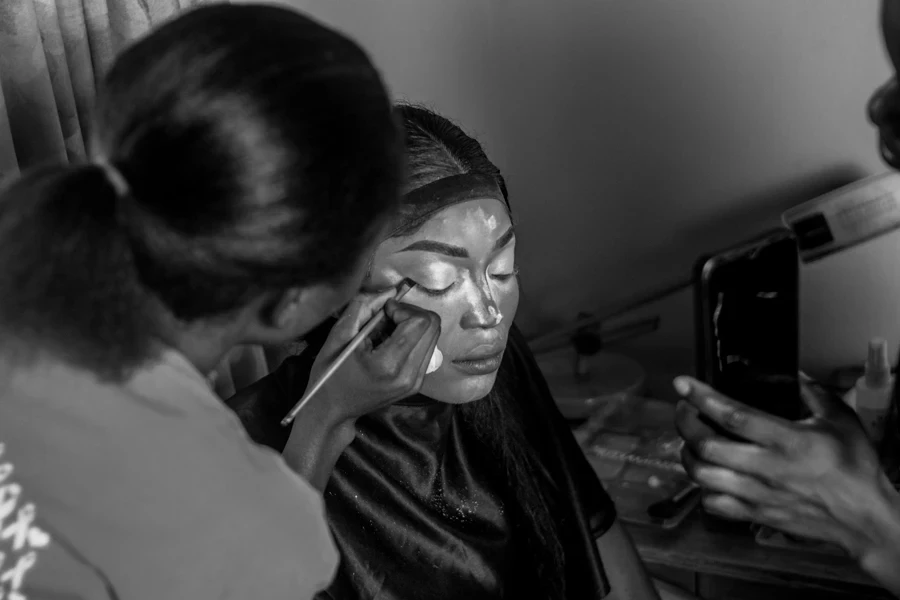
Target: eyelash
(502, 278)
(429, 292)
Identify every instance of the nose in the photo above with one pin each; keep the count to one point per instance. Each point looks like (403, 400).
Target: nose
(482, 312)
(884, 112)
(880, 104)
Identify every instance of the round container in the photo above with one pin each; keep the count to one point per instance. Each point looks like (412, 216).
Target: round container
(606, 375)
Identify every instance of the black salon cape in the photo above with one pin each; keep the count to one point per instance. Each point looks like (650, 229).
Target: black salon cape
(416, 506)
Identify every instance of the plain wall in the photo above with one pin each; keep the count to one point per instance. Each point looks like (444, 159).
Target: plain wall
(637, 134)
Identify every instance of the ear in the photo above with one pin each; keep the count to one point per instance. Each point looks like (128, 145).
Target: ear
(285, 316)
(285, 309)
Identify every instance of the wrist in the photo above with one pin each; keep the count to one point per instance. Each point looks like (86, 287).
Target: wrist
(327, 412)
(882, 555)
(321, 427)
(314, 448)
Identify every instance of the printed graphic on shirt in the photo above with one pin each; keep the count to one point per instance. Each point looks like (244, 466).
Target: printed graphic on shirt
(21, 541)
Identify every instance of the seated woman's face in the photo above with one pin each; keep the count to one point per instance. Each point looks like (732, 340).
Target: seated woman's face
(463, 262)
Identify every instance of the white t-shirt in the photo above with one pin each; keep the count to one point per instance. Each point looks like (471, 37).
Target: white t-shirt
(147, 490)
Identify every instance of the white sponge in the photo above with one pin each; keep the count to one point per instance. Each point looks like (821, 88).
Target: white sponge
(436, 359)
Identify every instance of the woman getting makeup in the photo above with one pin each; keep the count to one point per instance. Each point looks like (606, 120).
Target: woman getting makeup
(475, 488)
(245, 162)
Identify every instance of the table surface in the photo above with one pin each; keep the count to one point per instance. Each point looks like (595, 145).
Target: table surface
(701, 546)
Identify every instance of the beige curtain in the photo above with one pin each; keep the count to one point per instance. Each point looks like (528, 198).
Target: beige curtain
(52, 54)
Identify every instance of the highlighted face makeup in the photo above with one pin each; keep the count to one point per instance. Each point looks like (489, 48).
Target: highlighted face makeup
(463, 262)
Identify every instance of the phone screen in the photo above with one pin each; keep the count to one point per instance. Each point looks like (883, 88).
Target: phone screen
(751, 325)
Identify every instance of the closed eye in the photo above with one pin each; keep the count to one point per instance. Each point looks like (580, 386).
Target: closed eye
(431, 292)
(505, 276)
(502, 277)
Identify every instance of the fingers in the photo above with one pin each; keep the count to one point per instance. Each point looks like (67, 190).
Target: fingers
(414, 326)
(821, 402)
(727, 481)
(733, 416)
(689, 425)
(403, 358)
(710, 448)
(788, 518)
(422, 354)
(731, 507)
(728, 507)
(360, 311)
(399, 312)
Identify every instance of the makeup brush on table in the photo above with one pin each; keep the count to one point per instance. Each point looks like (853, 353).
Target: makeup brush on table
(365, 332)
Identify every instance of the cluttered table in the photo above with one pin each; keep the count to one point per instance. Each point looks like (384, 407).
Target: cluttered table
(632, 445)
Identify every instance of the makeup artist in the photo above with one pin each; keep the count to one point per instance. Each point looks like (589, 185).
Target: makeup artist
(245, 160)
(819, 478)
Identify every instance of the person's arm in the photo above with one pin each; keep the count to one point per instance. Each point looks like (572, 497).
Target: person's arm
(371, 379)
(316, 444)
(882, 559)
(628, 578)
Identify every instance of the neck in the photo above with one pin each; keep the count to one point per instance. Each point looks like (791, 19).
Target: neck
(204, 359)
(203, 344)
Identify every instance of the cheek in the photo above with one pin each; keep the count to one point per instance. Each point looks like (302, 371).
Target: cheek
(452, 340)
(508, 302)
(448, 314)
(446, 385)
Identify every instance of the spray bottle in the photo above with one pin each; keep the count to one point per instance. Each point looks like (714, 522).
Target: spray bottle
(871, 396)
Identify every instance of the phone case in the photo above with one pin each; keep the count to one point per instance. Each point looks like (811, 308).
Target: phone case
(707, 269)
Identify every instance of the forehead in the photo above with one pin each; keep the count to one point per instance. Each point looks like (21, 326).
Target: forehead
(468, 224)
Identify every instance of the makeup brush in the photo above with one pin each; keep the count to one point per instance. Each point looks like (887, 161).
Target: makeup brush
(365, 332)
(670, 507)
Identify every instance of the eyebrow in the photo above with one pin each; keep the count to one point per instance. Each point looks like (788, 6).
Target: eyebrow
(455, 251)
(504, 239)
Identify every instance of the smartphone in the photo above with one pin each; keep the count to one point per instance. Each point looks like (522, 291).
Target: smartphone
(747, 318)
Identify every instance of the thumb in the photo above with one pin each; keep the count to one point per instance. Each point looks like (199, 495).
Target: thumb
(820, 401)
(398, 312)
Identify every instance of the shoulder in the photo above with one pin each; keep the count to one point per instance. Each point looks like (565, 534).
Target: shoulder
(287, 546)
(159, 480)
(271, 522)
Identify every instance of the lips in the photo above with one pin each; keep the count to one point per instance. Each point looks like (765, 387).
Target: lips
(480, 363)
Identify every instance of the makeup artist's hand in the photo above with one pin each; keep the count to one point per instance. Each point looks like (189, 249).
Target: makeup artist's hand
(375, 377)
(370, 379)
(818, 478)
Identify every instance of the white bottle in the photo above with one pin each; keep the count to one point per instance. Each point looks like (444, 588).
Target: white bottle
(872, 392)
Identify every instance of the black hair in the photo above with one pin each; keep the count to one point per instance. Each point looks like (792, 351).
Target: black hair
(260, 152)
(438, 148)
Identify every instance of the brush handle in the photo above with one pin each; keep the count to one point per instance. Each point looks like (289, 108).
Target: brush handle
(680, 495)
(365, 332)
